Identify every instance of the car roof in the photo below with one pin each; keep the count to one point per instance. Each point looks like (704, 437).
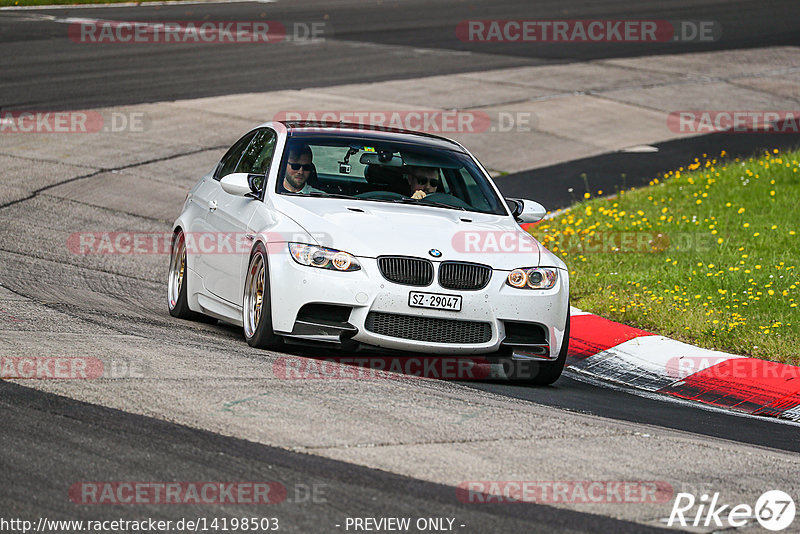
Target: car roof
(367, 131)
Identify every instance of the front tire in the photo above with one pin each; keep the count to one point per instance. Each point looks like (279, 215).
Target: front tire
(256, 303)
(177, 299)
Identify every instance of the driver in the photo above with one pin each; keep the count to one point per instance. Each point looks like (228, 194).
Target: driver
(298, 169)
(422, 181)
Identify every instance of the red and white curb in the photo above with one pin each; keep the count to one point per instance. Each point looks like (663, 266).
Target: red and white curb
(615, 352)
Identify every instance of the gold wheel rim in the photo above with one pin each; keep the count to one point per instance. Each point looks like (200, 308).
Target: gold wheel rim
(177, 269)
(257, 305)
(255, 287)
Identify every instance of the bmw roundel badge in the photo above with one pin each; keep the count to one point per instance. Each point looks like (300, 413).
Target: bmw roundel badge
(435, 253)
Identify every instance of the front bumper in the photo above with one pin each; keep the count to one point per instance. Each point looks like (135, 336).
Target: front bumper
(366, 291)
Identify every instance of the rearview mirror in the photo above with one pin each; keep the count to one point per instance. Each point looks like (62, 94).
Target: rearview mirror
(526, 211)
(241, 183)
(380, 158)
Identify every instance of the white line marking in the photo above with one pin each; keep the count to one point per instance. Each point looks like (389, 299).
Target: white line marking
(640, 149)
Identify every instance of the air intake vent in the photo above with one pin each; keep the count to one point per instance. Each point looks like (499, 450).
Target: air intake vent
(429, 329)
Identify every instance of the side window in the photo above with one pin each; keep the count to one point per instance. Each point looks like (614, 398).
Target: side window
(229, 161)
(258, 156)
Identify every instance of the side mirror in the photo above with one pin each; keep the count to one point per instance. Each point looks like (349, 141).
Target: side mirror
(526, 211)
(241, 183)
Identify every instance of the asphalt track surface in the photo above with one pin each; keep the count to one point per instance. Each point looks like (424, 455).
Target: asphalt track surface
(320, 493)
(365, 41)
(49, 441)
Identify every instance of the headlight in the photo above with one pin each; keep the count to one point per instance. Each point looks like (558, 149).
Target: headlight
(533, 278)
(323, 258)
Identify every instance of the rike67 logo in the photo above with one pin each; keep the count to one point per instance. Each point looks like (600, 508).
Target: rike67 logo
(774, 511)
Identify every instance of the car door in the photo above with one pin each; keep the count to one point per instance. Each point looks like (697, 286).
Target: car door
(229, 217)
(206, 197)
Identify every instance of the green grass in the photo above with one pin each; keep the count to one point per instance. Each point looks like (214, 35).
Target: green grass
(708, 255)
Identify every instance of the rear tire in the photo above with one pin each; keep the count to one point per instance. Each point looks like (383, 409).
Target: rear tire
(256, 303)
(177, 299)
(539, 373)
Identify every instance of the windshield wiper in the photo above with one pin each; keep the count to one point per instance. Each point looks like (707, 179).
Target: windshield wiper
(324, 194)
(428, 203)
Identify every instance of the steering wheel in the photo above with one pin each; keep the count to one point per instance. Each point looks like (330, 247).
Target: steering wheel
(446, 198)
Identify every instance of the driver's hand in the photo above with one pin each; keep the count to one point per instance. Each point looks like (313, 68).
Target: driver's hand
(418, 195)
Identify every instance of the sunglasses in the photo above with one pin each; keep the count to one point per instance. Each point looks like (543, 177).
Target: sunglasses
(423, 180)
(305, 166)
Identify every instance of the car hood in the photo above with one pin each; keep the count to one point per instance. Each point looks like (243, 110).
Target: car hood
(371, 229)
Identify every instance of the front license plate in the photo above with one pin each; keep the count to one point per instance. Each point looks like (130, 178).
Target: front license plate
(435, 301)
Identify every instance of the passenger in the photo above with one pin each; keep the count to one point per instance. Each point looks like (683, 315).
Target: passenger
(298, 170)
(422, 181)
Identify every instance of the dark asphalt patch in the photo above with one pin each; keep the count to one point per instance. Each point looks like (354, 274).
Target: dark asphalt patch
(550, 185)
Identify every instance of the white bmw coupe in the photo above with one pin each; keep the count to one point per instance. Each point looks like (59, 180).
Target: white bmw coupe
(356, 237)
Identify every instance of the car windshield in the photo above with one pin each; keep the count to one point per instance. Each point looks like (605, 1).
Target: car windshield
(382, 171)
